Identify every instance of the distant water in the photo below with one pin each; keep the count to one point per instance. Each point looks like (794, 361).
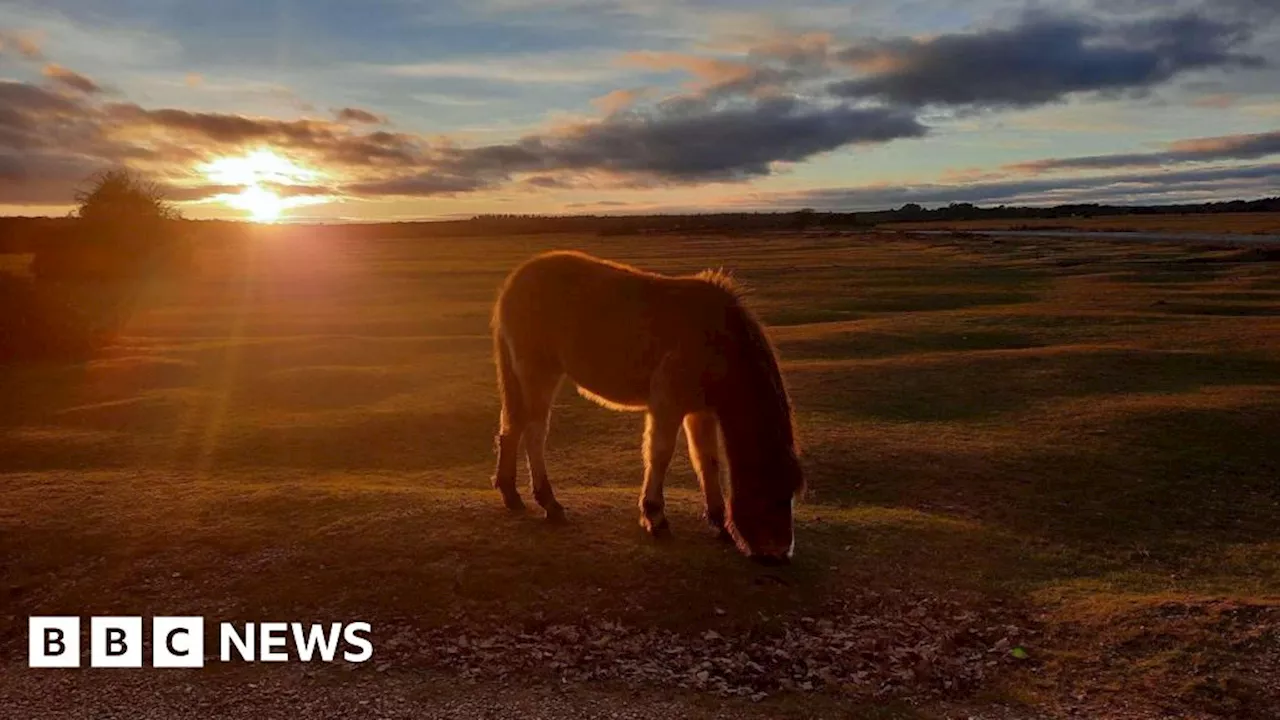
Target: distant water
(1183, 238)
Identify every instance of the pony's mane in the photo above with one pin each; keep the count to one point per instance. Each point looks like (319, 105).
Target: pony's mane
(770, 404)
(722, 279)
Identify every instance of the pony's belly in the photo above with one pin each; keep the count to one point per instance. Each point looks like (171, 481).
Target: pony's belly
(610, 368)
(623, 389)
(616, 402)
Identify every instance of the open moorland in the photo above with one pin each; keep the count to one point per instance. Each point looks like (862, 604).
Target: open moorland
(1043, 483)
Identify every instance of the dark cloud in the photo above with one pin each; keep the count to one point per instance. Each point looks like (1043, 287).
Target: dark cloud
(1247, 181)
(34, 177)
(546, 182)
(1254, 10)
(1041, 60)
(1230, 147)
(228, 128)
(331, 142)
(24, 102)
(689, 140)
(49, 143)
(425, 184)
(356, 116)
(681, 140)
(71, 79)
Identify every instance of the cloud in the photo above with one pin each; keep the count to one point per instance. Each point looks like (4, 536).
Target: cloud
(420, 185)
(49, 144)
(617, 100)
(1041, 60)
(25, 44)
(1166, 187)
(541, 68)
(769, 66)
(329, 142)
(748, 112)
(71, 79)
(1229, 147)
(350, 116)
(681, 140)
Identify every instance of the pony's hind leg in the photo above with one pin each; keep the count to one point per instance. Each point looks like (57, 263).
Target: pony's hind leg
(511, 425)
(540, 390)
(701, 430)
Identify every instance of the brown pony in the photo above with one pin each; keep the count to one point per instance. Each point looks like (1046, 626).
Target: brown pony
(681, 349)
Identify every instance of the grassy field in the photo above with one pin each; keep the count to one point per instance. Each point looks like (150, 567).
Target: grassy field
(1223, 223)
(1043, 480)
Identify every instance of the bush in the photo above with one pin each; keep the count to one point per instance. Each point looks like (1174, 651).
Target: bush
(90, 271)
(123, 231)
(41, 324)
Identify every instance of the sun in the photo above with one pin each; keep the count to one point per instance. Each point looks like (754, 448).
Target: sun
(257, 173)
(263, 205)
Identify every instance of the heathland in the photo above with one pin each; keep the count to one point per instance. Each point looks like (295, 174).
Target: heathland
(1043, 480)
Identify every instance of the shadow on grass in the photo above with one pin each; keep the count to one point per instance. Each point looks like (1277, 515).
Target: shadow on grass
(1175, 478)
(878, 344)
(785, 313)
(982, 387)
(1158, 490)
(442, 557)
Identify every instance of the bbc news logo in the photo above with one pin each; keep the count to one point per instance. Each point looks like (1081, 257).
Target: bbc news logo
(178, 642)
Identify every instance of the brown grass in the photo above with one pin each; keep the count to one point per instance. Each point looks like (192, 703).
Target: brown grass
(1076, 432)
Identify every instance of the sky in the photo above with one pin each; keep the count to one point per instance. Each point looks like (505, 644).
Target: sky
(422, 109)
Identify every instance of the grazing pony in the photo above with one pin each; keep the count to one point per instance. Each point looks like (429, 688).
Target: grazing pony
(682, 350)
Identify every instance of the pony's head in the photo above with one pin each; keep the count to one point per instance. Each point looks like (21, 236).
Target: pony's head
(761, 503)
(754, 409)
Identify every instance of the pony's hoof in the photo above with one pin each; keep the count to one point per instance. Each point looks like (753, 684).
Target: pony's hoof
(715, 521)
(659, 528)
(555, 515)
(512, 502)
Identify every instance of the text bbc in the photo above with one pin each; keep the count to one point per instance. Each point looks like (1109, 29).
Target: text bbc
(178, 642)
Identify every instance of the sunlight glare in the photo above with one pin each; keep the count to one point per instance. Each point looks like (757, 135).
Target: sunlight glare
(255, 171)
(263, 205)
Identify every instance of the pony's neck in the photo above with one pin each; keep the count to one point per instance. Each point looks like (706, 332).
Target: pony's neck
(752, 425)
(751, 401)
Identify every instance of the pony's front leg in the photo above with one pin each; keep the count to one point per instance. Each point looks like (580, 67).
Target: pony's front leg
(701, 430)
(660, 431)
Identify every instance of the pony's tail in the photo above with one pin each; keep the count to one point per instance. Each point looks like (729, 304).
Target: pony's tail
(513, 410)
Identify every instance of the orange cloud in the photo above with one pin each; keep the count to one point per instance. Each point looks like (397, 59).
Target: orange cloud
(26, 44)
(709, 70)
(611, 103)
(71, 79)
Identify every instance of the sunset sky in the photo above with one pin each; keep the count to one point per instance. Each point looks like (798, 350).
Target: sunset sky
(406, 109)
